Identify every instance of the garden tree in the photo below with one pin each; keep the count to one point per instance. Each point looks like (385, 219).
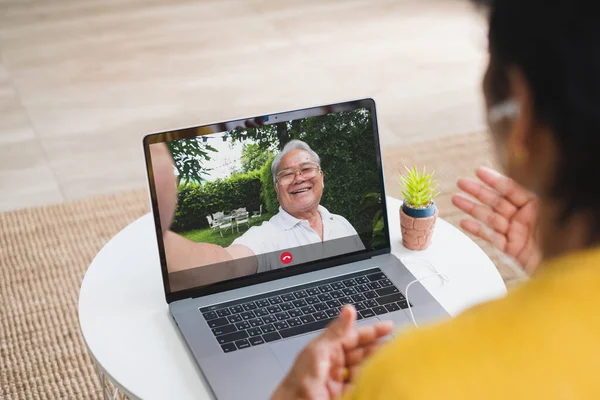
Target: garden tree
(273, 136)
(254, 157)
(345, 142)
(189, 156)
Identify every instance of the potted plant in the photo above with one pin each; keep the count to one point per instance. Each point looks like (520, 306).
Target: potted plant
(418, 212)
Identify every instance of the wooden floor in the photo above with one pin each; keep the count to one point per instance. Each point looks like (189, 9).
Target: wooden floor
(82, 81)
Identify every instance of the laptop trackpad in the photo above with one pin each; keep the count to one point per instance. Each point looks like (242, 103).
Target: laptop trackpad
(251, 373)
(286, 351)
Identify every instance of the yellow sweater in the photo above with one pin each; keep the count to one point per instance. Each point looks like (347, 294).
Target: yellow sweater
(541, 341)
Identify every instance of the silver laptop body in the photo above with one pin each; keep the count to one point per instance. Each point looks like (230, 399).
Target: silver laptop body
(219, 321)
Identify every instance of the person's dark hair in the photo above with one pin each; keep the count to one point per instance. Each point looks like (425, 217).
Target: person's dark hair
(556, 45)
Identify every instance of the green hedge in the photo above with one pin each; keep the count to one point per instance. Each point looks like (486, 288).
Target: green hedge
(195, 202)
(267, 191)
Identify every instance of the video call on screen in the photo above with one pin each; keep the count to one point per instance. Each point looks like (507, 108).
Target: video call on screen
(322, 199)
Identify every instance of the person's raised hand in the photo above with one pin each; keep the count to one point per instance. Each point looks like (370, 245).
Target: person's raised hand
(506, 216)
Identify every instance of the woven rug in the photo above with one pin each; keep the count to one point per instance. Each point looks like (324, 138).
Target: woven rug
(44, 253)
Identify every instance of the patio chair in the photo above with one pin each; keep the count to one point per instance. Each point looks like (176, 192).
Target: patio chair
(257, 214)
(225, 223)
(238, 211)
(214, 224)
(242, 218)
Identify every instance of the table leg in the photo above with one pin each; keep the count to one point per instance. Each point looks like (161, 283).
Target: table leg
(109, 391)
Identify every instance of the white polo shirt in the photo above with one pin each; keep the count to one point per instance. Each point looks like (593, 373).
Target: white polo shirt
(285, 232)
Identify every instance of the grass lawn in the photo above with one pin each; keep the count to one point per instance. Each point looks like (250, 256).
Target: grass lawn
(213, 236)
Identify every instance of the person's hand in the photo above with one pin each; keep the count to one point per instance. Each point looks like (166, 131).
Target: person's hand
(330, 362)
(507, 215)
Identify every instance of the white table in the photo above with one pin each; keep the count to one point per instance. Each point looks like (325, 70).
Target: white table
(125, 323)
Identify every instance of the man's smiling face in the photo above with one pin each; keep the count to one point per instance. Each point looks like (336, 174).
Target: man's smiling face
(301, 195)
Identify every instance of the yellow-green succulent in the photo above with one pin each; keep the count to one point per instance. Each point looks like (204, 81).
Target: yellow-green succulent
(418, 189)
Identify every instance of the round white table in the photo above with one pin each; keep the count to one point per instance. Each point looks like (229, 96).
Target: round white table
(137, 348)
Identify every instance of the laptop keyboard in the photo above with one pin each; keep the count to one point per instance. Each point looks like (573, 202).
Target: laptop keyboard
(301, 309)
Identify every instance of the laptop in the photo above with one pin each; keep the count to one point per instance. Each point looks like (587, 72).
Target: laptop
(266, 227)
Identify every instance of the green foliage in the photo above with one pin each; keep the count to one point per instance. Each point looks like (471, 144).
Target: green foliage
(418, 188)
(346, 144)
(195, 202)
(188, 155)
(269, 137)
(254, 157)
(372, 204)
(267, 190)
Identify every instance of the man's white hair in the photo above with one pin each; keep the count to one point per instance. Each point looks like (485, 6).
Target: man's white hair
(294, 144)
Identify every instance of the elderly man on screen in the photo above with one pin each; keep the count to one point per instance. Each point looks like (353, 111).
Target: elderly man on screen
(301, 220)
(301, 223)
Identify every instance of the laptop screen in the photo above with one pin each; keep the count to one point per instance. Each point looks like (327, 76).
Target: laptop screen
(282, 192)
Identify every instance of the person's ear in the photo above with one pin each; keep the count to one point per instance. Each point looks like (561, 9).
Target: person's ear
(519, 143)
(531, 149)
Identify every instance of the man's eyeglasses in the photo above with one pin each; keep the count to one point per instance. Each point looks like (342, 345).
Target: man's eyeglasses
(307, 171)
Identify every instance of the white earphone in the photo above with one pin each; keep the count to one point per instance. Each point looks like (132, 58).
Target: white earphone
(507, 109)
